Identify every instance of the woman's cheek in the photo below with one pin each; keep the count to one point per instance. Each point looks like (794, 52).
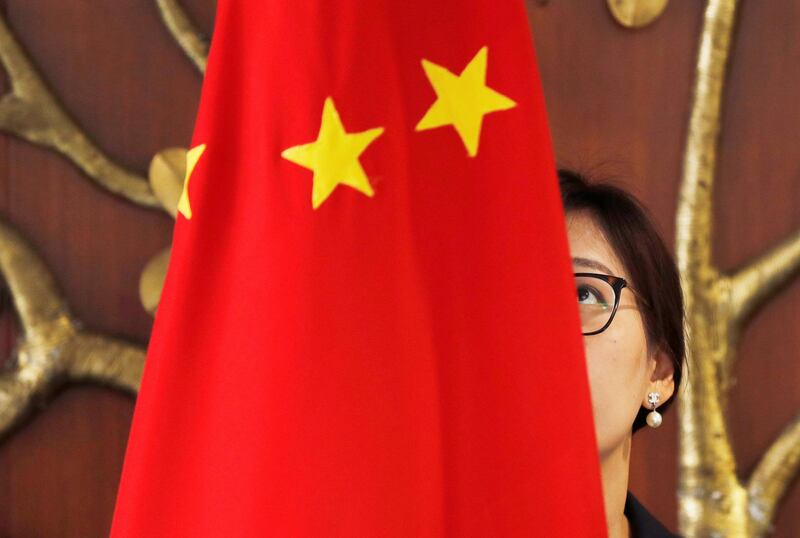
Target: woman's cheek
(613, 382)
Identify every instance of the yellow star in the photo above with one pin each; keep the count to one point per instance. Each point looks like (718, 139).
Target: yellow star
(192, 156)
(462, 100)
(333, 156)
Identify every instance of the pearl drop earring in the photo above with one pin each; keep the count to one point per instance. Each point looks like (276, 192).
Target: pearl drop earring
(653, 417)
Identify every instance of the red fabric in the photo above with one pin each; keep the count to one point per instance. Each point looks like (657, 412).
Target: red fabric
(403, 365)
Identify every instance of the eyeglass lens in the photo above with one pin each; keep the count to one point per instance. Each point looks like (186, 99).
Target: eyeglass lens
(595, 302)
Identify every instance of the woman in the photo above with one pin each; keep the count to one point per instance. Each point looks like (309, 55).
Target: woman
(631, 306)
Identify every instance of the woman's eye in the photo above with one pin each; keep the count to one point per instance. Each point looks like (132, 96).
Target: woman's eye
(590, 295)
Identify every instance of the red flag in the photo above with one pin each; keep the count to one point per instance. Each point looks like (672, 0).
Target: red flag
(368, 326)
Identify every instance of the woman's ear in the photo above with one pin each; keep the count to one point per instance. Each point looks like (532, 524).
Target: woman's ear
(662, 372)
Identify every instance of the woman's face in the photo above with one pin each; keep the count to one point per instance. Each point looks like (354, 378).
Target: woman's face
(621, 373)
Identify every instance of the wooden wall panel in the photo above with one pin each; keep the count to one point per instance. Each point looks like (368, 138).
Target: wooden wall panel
(618, 103)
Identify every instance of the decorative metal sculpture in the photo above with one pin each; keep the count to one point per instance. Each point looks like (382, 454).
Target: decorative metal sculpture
(636, 13)
(712, 499)
(193, 43)
(32, 113)
(54, 348)
(166, 179)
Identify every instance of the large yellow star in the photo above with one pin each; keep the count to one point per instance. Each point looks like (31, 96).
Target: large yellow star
(462, 100)
(192, 156)
(333, 156)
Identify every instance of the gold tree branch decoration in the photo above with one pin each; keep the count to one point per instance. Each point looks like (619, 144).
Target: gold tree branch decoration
(188, 37)
(31, 112)
(712, 499)
(752, 285)
(54, 347)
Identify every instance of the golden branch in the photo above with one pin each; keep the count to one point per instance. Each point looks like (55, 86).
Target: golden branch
(32, 113)
(693, 246)
(712, 499)
(190, 39)
(752, 285)
(54, 347)
(773, 474)
(32, 288)
(111, 361)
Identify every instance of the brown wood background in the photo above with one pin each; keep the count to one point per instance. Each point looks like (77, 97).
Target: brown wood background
(618, 103)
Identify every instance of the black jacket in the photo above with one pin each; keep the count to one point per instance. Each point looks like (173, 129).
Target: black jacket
(643, 524)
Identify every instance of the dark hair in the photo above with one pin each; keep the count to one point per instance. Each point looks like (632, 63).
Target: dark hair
(627, 226)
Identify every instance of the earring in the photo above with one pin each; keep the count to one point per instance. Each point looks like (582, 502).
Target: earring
(653, 417)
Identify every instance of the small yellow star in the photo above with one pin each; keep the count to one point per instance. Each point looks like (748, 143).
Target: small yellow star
(192, 156)
(333, 156)
(462, 100)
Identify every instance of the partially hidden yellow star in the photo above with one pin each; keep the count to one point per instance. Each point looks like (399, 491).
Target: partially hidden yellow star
(192, 156)
(334, 156)
(462, 100)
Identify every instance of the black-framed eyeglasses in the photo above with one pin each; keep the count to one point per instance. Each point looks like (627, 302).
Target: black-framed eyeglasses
(598, 300)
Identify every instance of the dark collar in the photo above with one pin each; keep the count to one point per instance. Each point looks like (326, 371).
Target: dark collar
(643, 524)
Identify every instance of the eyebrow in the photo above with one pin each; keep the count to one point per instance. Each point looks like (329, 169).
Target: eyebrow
(586, 262)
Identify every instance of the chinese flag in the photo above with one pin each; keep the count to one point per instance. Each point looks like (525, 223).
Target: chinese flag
(368, 327)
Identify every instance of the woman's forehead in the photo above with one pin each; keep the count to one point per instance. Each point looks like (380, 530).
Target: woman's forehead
(589, 248)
